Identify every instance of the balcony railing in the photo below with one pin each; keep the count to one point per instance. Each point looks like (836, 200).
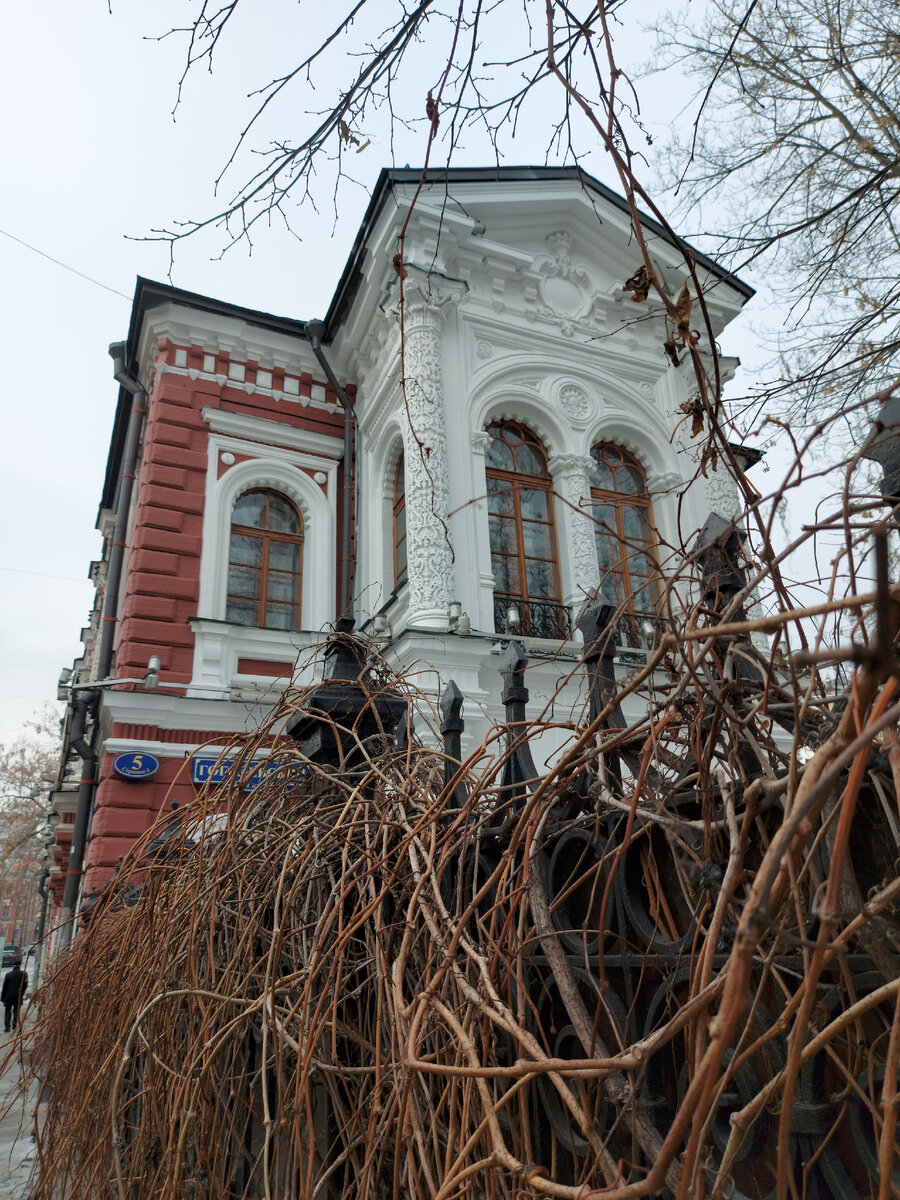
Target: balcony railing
(639, 631)
(531, 618)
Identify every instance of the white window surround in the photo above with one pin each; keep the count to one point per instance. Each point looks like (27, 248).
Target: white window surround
(218, 645)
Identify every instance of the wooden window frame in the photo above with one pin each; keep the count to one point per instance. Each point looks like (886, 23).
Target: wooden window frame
(398, 506)
(618, 501)
(268, 536)
(516, 480)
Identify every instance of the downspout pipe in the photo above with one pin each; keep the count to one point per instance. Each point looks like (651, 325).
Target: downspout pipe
(44, 893)
(315, 331)
(88, 702)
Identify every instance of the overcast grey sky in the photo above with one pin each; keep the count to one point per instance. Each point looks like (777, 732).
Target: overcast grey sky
(92, 158)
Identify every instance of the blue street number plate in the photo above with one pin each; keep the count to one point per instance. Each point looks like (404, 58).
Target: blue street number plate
(135, 764)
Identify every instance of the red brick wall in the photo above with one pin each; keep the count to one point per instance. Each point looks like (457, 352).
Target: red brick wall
(161, 588)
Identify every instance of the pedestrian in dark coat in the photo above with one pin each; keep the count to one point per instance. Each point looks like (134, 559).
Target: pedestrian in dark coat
(14, 987)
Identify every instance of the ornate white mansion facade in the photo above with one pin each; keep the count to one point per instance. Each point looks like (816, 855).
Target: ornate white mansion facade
(475, 472)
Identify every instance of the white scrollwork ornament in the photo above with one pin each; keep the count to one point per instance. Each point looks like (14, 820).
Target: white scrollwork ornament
(430, 560)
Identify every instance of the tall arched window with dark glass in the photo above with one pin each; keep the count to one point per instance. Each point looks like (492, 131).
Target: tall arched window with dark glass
(626, 542)
(399, 526)
(524, 557)
(265, 561)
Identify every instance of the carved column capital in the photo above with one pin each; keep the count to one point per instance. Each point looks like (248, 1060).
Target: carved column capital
(663, 481)
(427, 299)
(563, 465)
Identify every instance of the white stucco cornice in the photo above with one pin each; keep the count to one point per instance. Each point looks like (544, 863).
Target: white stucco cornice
(244, 341)
(271, 433)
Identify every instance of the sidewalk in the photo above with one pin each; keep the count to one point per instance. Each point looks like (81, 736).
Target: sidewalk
(16, 1142)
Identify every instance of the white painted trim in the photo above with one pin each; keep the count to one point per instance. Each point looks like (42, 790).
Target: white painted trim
(278, 468)
(167, 749)
(188, 712)
(272, 433)
(159, 749)
(185, 325)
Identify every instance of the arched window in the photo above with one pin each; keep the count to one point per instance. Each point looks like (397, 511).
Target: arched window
(523, 535)
(265, 561)
(399, 525)
(626, 543)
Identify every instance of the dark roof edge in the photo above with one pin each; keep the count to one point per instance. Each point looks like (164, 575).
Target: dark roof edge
(349, 282)
(149, 294)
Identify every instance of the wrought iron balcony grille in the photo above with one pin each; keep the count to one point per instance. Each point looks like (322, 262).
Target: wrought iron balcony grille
(531, 618)
(639, 630)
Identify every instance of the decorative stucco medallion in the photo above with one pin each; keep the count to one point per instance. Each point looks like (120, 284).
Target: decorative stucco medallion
(575, 402)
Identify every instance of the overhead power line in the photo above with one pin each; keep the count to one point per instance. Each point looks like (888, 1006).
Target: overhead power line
(65, 266)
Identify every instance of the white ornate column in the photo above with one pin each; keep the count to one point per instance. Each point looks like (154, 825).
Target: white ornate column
(482, 612)
(428, 548)
(572, 482)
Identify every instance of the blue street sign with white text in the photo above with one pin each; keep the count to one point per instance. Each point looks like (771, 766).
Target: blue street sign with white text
(134, 764)
(209, 768)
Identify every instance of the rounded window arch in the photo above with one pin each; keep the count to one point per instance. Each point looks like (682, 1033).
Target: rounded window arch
(522, 530)
(265, 561)
(625, 539)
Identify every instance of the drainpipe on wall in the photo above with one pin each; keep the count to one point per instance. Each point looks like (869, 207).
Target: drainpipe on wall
(315, 331)
(88, 702)
(44, 893)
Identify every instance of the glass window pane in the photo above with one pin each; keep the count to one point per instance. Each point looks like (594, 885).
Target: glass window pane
(536, 540)
(502, 531)
(501, 498)
(245, 549)
(280, 616)
(240, 612)
(612, 587)
(282, 516)
(282, 586)
(284, 556)
(529, 461)
(401, 561)
(243, 581)
(499, 456)
(635, 524)
(644, 599)
(602, 477)
(250, 510)
(506, 573)
(541, 580)
(629, 481)
(535, 503)
(399, 482)
(608, 549)
(400, 524)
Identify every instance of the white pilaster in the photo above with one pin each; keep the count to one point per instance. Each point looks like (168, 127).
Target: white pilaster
(572, 482)
(429, 552)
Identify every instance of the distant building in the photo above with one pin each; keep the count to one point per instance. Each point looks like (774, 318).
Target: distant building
(528, 464)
